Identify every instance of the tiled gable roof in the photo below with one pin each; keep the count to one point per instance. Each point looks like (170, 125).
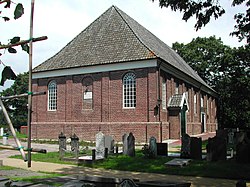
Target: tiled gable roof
(108, 39)
(177, 101)
(115, 37)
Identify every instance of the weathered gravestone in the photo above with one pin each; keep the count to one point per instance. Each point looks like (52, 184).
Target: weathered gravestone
(196, 148)
(162, 149)
(153, 147)
(74, 143)
(100, 145)
(185, 146)
(109, 143)
(62, 144)
(131, 145)
(216, 148)
(125, 144)
(242, 147)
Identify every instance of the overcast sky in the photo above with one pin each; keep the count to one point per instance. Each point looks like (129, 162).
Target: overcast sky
(62, 20)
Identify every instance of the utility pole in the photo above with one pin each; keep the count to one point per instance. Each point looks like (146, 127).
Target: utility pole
(30, 82)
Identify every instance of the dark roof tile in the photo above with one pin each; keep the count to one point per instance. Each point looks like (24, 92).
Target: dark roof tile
(115, 37)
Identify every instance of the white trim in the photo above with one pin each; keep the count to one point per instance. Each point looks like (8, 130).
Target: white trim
(205, 121)
(96, 69)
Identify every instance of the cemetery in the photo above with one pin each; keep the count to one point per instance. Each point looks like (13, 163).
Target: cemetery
(226, 151)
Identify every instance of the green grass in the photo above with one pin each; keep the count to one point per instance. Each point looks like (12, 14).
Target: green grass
(221, 169)
(52, 157)
(34, 179)
(6, 168)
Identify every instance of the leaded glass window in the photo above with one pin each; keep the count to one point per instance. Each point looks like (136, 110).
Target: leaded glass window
(129, 90)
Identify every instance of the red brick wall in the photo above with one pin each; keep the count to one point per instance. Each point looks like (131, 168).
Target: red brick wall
(107, 113)
(87, 131)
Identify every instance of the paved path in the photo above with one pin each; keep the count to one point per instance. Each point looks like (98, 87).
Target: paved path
(85, 171)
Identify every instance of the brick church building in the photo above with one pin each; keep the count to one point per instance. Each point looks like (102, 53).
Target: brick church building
(117, 77)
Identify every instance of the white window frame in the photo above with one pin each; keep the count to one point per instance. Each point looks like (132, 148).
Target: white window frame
(129, 90)
(164, 94)
(202, 101)
(177, 88)
(195, 103)
(52, 96)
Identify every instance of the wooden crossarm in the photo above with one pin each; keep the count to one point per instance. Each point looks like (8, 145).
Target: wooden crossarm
(23, 42)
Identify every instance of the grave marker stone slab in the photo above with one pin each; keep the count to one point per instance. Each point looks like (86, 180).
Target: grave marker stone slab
(153, 147)
(242, 148)
(125, 144)
(74, 143)
(162, 149)
(100, 145)
(62, 144)
(196, 148)
(185, 146)
(216, 149)
(131, 145)
(109, 143)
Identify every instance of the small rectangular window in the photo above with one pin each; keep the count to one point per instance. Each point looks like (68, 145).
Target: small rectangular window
(195, 104)
(176, 88)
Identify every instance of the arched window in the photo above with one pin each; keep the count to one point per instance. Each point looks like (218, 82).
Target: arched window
(52, 96)
(129, 90)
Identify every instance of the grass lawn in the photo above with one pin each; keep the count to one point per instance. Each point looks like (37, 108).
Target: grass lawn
(223, 169)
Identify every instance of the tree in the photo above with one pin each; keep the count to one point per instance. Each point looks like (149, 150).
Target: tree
(17, 108)
(227, 70)
(206, 9)
(209, 57)
(8, 73)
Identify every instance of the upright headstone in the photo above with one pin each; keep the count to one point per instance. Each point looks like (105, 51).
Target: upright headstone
(196, 148)
(125, 144)
(185, 146)
(109, 143)
(62, 144)
(162, 149)
(100, 145)
(131, 145)
(242, 148)
(75, 145)
(216, 148)
(153, 147)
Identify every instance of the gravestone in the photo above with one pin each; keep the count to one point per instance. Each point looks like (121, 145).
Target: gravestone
(131, 145)
(242, 148)
(196, 148)
(100, 145)
(216, 148)
(125, 144)
(74, 143)
(185, 146)
(153, 147)
(62, 144)
(162, 149)
(109, 143)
